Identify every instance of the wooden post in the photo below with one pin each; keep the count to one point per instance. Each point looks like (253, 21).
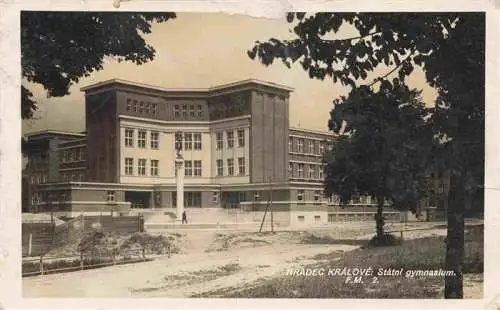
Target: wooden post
(41, 265)
(82, 265)
(30, 243)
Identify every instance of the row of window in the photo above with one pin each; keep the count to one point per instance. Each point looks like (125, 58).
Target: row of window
(219, 138)
(297, 145)
(314, 171)
(142, 107)
(219, 163)
(185, 110)
(141, 166)
(74, 155)
(72, 176)
(154, 139)
(38, 178)
(192, 140)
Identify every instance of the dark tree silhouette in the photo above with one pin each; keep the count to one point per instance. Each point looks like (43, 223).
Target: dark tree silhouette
(59, 48)
(450, 49)
(384, 152)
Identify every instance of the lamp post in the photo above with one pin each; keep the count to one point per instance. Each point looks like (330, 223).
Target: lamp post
(179, 178)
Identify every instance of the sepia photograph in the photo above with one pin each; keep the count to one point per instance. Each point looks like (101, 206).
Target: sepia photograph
(325, 155)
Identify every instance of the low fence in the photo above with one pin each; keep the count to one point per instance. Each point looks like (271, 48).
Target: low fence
(57, 264)
(39, 238)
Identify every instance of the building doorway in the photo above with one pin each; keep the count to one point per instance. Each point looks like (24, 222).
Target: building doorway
(138, 199)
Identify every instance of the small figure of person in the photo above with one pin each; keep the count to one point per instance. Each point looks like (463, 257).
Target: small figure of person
(184, 218)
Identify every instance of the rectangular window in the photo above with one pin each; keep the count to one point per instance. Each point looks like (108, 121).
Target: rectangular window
(197, 168)
(178, 141)
(317, 218)
(200, 111)
(154, 167)
(188, 141)
(78, 154)
(321, 148)
(311, 172)
(73, 155)
(230, 166)
(215, 197)
(147, 107)
(65, 156)
(134, 106)
(219, 140)
(155, 137)
(220, 168)
(191, 111)
(230, 139)
(82, 177)
(256, 196)
(188, 168)
(141, 167)
(290, 170)
(176, 111)
(192, 199)
(320, 174)
(110, 196)
(316, 195)
(241, 138)
(141, 139)
(301, 171)
(290, 145)
(300, 146)
(154, 108)
(311, 147)
(129, 137)
(184, 111)
(300, 195)
(197, 141)
(84, 154)
(141, 107)
(241, 166)
(129, 105)
(300, 218)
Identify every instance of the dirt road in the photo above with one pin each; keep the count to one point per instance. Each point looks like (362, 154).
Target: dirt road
(208, 261)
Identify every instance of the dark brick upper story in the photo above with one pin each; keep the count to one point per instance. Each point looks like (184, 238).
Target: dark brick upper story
(146, 101)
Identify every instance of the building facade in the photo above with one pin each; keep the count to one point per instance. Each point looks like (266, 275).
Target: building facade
(238, 148)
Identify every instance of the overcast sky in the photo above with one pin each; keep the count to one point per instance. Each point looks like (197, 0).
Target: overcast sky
(202, 50)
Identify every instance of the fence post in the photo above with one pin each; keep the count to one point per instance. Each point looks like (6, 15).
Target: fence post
(81, 261)
(41, 265)
(30, 243)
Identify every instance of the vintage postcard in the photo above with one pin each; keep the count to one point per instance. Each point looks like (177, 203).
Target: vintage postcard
(184, 153)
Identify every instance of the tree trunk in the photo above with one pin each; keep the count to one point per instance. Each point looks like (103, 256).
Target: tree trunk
(455, 238)
(379, 219)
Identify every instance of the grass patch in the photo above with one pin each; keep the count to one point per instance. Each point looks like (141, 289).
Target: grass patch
(419, 254)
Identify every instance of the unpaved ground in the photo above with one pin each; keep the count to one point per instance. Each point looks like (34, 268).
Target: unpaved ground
(209, 261)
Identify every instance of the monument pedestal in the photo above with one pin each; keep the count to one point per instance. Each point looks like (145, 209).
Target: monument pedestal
(179, 168)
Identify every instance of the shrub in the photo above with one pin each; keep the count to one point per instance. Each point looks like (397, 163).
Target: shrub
(385, 240)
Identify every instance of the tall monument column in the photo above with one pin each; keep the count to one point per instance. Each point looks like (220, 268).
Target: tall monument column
(179, 178)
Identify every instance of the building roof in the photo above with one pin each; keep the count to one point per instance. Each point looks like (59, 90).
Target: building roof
(304, 130)
(48, 133)
(195, 90)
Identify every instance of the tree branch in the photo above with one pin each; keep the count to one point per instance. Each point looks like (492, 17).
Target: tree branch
(391, 71)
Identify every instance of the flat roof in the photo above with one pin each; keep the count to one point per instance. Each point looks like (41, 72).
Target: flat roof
(54, 132)
(201, 90)
(305, 130)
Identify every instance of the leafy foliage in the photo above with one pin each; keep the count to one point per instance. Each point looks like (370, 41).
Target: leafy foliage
(384, 153)
(450, 49)
(59, 48)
